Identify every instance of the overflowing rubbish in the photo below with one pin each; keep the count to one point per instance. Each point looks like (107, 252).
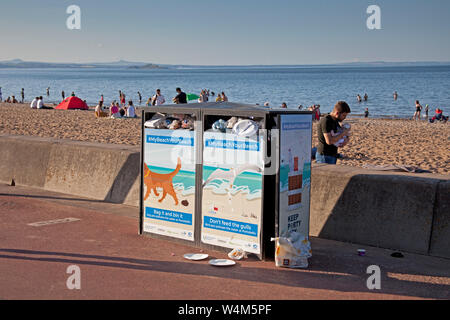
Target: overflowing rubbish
(195, 256)
(221, 262)
(292, 251)
(237, 254)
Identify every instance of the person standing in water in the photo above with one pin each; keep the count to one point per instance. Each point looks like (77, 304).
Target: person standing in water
(359, 98)
(366, 97)
(63, 94)
(395, 95)
(48, 92)
(418, 109)
(140, 97)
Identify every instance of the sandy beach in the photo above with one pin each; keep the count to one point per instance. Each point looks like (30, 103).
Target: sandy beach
(374, 141)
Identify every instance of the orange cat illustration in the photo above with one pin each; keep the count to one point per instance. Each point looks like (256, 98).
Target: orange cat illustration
(157, 180)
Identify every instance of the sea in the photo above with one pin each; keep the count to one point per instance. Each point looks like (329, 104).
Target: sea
(323, 85)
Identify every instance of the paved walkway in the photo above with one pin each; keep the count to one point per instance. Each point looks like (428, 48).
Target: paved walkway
(117, 263)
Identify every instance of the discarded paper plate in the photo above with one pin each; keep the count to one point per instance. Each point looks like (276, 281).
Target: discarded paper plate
(221, 262)
(195, 256)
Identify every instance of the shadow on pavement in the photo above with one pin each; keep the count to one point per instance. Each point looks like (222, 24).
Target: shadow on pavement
(313, 277)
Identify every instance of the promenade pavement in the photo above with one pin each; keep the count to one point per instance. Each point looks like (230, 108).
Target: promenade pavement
(117, 263)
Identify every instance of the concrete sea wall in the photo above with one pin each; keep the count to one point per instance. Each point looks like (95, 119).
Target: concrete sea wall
(399, 211)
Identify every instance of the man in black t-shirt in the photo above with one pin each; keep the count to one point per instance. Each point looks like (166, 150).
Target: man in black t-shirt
(331, 134)
(181, 97)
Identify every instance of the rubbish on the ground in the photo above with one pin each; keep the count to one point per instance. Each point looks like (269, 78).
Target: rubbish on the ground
(361, 252)
(172, 254)
(221, 262)
(397, 255)
(292, 251)
(195, 256)
(237, 254)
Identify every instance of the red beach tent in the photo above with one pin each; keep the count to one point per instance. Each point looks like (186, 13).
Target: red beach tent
(72, 103)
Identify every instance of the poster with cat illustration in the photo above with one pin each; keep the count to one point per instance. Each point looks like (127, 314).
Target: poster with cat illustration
(169, 183)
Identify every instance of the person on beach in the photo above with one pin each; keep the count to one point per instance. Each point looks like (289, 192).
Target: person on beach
(1, 97)
(219, 98)
(99, 113)
(395, 95)
(358, 97)
(140, 97)
(224, 97)
(73, 94)
(158, 99)
(114, 110)
(330, 132)
(317, 112)
(33, 104)
(418, 109)
(14, 100)
(22, 93)
(122, 100)
(366, 113)
(426, 112)
(131, 111)
(40, 104)
(180, 98)
(102, 99)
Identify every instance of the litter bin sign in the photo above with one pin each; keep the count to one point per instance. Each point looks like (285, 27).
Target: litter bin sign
(295, 173)
(233, 169)
(169, 183)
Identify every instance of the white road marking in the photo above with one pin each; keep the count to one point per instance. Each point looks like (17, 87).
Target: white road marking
(49, 222)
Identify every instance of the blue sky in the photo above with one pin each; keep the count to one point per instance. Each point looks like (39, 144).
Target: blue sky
(225, 32)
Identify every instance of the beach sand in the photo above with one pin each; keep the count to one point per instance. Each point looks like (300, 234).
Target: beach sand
(374, 141)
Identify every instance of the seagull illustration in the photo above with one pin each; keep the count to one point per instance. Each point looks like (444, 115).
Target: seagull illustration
(231, 174)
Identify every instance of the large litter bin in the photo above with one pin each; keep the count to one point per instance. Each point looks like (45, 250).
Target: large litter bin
(248, 183)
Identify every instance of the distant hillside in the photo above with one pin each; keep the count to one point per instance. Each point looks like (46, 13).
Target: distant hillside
(148, 66)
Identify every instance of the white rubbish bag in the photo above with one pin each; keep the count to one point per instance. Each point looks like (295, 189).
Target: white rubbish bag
(292, 251)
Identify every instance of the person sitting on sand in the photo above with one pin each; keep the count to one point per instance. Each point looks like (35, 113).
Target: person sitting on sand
(418, 109)
(14, 100)
(219, 98)
(40, 104)
(114, 110)
(33, 104)
(131, 111)
(439, 116)
(99, 113)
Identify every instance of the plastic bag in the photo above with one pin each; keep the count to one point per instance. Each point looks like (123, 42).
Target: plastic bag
(292, 251)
